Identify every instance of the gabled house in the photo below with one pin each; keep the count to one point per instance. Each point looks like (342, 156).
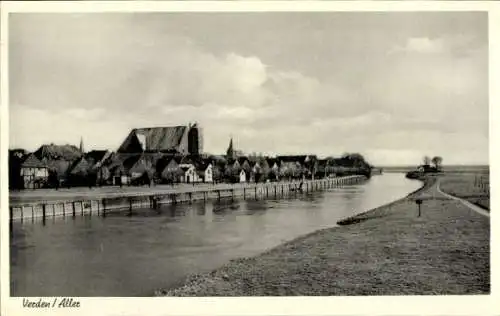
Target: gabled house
(80, 173)
(189, 174)
(245, 165)
(168, 169)
(34, 173)
(204, 169)
(242, 176)
(232, 170)
(58, 158)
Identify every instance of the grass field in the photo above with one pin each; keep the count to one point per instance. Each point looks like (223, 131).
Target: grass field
(444, 251)
(474, 187)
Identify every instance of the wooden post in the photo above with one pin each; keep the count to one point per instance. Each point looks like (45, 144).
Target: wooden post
(256, 192)
(43, 211)
(32, 211)
(244, 193)
(218, 195)
(205, 196)
(64, 208)
(282, 190)
(275, 196)
(53, 210)
(11, 213)
(130, 203)
(267, 191)
(190, 197)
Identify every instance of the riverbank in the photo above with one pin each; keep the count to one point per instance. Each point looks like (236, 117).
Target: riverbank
(100, 201)
(387, 251)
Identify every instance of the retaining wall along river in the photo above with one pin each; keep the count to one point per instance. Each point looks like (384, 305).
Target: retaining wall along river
(131, 201)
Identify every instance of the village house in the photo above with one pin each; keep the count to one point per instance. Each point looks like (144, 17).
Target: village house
(90, 169)
(204, 169)
(58, 159)
(34, 173)
(168, 169)
(232, 171)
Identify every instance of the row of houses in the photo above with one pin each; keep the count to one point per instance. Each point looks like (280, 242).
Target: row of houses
(162, 155)
(54, 167)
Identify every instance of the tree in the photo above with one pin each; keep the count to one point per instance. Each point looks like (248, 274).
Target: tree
(427, 160)
(437, 162)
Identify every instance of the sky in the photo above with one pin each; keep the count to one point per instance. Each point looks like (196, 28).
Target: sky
(391, 86)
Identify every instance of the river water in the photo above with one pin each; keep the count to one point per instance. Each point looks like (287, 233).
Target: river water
(122, 255)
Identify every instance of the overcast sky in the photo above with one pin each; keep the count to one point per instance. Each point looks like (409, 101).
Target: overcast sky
(392, 86)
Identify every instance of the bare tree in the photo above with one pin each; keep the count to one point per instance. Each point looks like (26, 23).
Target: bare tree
(427, 160)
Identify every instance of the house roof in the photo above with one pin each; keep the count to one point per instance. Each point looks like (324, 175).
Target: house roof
(130, 162)
(165, 160)
(95, 156)
(81, 166)
(156, 139)
(32, 162)
(295, 158)
(241, 160)
(51, 152)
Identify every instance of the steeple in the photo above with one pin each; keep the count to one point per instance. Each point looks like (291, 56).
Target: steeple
(230, 150)
(81, 144)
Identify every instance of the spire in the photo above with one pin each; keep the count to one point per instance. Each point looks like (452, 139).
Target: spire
(81, 144)
(230, 150)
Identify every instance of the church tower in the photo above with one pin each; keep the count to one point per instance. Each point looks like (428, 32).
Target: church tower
(81, 145)
(230, 154)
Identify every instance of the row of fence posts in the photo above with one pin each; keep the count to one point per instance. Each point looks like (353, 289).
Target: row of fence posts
(479, 182)
(154, 200)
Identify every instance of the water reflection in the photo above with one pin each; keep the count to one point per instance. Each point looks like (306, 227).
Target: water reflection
(122, 255)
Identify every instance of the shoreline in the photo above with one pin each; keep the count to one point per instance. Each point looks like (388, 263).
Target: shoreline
(336, 260)
(100, 205)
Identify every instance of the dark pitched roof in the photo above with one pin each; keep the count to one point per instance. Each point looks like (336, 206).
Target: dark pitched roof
(81, 166)
(32, 162)
(272, 161)
(156, 139)
(164, 161)
(241, 160)
(129, 162)
(51, 152)
(95, 156)
(202, 165)
(295, 158)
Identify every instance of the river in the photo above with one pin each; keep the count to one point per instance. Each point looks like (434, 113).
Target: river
(122, 255)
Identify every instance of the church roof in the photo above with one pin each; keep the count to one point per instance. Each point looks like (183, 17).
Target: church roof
(155, 139)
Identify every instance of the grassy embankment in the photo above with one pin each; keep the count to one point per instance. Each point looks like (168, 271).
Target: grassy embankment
(474, 187)
(445, 251)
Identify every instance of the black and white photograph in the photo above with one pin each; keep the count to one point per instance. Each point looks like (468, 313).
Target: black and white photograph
(246, 154)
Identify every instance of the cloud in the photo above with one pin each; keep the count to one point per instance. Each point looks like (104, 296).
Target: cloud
(422, 45)
(80, 75)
